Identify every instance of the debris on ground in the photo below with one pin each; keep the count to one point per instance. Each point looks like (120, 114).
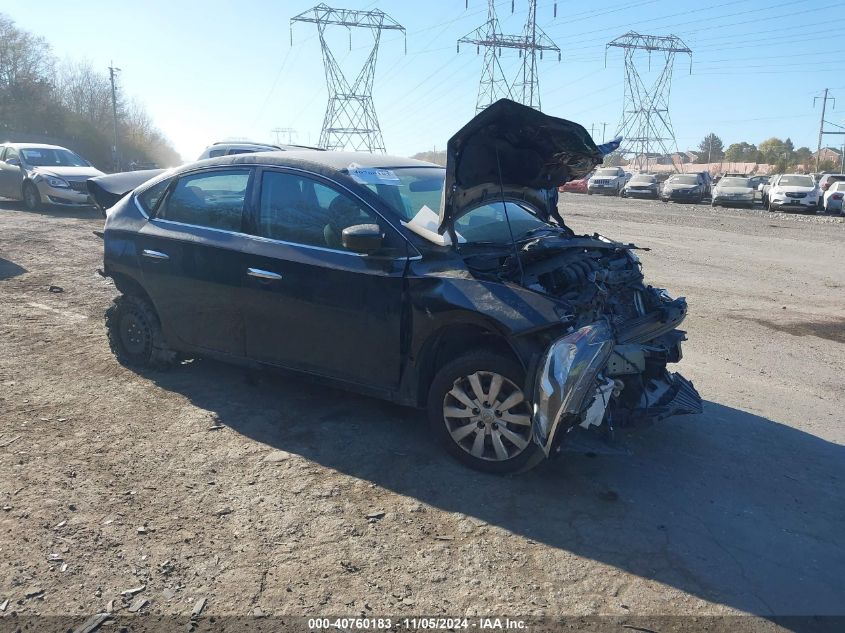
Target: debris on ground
(139, 604)
(199, 605)
(131, 592)
(93, 623)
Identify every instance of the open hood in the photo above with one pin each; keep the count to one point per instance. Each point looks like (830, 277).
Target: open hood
(516, 149)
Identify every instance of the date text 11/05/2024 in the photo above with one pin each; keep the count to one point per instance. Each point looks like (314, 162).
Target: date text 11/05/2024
(413, 624)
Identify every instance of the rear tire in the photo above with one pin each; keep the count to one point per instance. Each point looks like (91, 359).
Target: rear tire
(483, 437)
(31, 197)
(135, 335)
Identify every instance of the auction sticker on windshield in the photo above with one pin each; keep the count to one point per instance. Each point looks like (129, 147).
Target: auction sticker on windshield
(373, 176)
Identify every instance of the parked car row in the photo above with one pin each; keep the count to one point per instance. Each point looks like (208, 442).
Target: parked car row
(781, 192)
(38, 174)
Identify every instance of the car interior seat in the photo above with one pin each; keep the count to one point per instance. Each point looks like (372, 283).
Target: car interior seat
(343, 212)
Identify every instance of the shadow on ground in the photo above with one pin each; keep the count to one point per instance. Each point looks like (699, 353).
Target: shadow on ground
(52, 211)
(727, 506)
(9, 269)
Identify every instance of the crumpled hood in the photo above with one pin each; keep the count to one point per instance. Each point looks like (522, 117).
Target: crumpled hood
(68, 172)
(105, 191)
(531, 151)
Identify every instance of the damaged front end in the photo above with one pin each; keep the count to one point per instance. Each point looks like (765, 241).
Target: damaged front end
(610, 367)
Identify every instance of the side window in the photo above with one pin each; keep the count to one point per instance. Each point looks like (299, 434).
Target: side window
(11, 152)
(214, 199)
(303, 211)
(149, 198)
(216, 152)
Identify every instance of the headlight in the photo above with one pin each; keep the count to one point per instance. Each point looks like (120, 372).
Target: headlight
(566, 375)
(53, 181)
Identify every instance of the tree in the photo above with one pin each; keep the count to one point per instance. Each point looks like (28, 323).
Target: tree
(741, 153)
(773, 149)
(711, 148)
(802, 156)
(69, 105)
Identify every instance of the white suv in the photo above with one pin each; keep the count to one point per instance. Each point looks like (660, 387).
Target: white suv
(609, 180)
(794, 192)
(226, 148)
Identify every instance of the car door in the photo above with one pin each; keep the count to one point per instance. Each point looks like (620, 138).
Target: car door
(10, 175)
(192, 258)
(313, 305)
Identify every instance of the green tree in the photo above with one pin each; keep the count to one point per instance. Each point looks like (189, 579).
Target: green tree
(773, 149)
(711, 148)
(741, 153)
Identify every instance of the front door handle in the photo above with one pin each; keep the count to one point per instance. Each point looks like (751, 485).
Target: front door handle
(154, 254)
(263, 274)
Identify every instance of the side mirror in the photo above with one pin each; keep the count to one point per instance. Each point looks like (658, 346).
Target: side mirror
(14, 162)
(362, 238)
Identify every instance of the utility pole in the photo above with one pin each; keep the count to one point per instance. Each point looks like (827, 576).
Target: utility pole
(604, 132)
(284, 130)
(821, 127)
(114, 156)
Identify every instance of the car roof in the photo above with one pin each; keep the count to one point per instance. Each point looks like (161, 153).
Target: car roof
(303, 158)
(33, 146)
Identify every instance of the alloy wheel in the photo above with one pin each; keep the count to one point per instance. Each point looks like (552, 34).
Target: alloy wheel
(488, 416)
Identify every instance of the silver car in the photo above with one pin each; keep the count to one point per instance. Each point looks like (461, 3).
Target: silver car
(44, 174)
(733, 191)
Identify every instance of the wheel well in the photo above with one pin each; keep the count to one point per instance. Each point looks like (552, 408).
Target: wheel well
(129, 286)
(448, 344)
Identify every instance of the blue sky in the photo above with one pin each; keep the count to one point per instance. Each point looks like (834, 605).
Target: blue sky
(207, 70)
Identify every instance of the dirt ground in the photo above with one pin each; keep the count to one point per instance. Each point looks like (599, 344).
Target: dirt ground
(285, 498)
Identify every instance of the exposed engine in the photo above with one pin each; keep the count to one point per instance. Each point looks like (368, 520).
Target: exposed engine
(600, 281)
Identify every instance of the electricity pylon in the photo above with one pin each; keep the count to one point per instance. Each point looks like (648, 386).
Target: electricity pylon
(350, 121)
(494, 84)
(645, 126)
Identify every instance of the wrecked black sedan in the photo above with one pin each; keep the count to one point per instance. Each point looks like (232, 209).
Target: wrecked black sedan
(459, 290)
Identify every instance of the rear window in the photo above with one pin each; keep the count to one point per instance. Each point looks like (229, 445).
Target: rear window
(796, 181)
(213, 199)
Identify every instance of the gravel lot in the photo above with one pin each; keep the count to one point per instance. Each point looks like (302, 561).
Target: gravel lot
(285, 498)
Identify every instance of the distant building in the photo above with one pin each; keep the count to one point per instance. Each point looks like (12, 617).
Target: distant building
(828, 153)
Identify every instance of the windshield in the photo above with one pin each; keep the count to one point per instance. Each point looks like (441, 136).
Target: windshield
(796, 181)
(734, 182)
(683, 180)
(49, 157)
(405, 189)
(488, 223)
(643, 178)
(605, 173)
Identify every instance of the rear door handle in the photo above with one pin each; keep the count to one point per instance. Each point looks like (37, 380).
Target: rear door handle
(154, 254)
(263, 274)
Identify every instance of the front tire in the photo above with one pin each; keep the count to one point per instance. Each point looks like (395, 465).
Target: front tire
(31, 197)
(477, 410)
(135, 335)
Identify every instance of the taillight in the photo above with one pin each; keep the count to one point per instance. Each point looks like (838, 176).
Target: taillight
(837, 196)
